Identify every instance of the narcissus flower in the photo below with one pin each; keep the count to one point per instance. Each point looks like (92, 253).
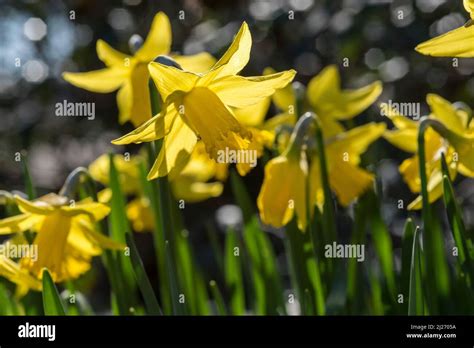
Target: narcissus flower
(283, 192)
(325, 97)
(198, 106)
(12, 271)
(333, 104)
(65, 238)
(129, 74)
(455, 43)
(284, 188)
(455, 144)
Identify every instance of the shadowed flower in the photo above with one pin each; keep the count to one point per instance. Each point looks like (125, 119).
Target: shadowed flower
(458, 149)
(284, 188)
(129, 74)
(455, 43)
(198, 106)
(325, 97)
(333, 104)
(283, 191)
(65, 238)
(343, 151)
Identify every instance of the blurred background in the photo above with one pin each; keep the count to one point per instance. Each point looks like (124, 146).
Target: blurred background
(41, 39)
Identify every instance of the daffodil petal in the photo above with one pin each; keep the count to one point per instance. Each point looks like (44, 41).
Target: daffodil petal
(169, 79)
(100, 81)
(239, 92)
(400, 121)
(328, 100)
(125, 101)
(197, 63)
(330, 126)
(158, 41)
(13, 272)
(139, 213)
(348, 181)
(353, 102)
(109, 55)
(234, 59)
(283, 192)
(284, 98)
(153, 129)
(100, 239)
(409, 169)
(279, 120)
(435, 190)
(194, 191)
(324, 86)
(96, 210)
(455, 43)
(469, 6)
(141, 105)
(356, 141)
(35, 207)
(17, 223)
(404, 139)
(175, 150)
(444, 111)
(253, 115)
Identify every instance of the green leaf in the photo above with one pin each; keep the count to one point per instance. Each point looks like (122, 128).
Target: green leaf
(242, 196)
(29, 187)
(407, 248)
(8, 303)
(144, 284)
(216, 293)
(416, 299)
(151, 192)
(233, 274)
(265, 274)
(382, 243)
(464, 260)
(178, 307)
(52, 304)
(355, 274)
(435, 264)
(187, 272)
(299, 250)
(119, 227)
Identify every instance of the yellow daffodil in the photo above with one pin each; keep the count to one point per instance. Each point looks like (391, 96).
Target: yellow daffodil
(12, 271)
(191, 185)
(65, 238)
(333, 104)
(343, 152)
(325, 97)
(197, 106)
(284, 187)
(129, 74)
(458, 149)
(283, 190)
(455, 43)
